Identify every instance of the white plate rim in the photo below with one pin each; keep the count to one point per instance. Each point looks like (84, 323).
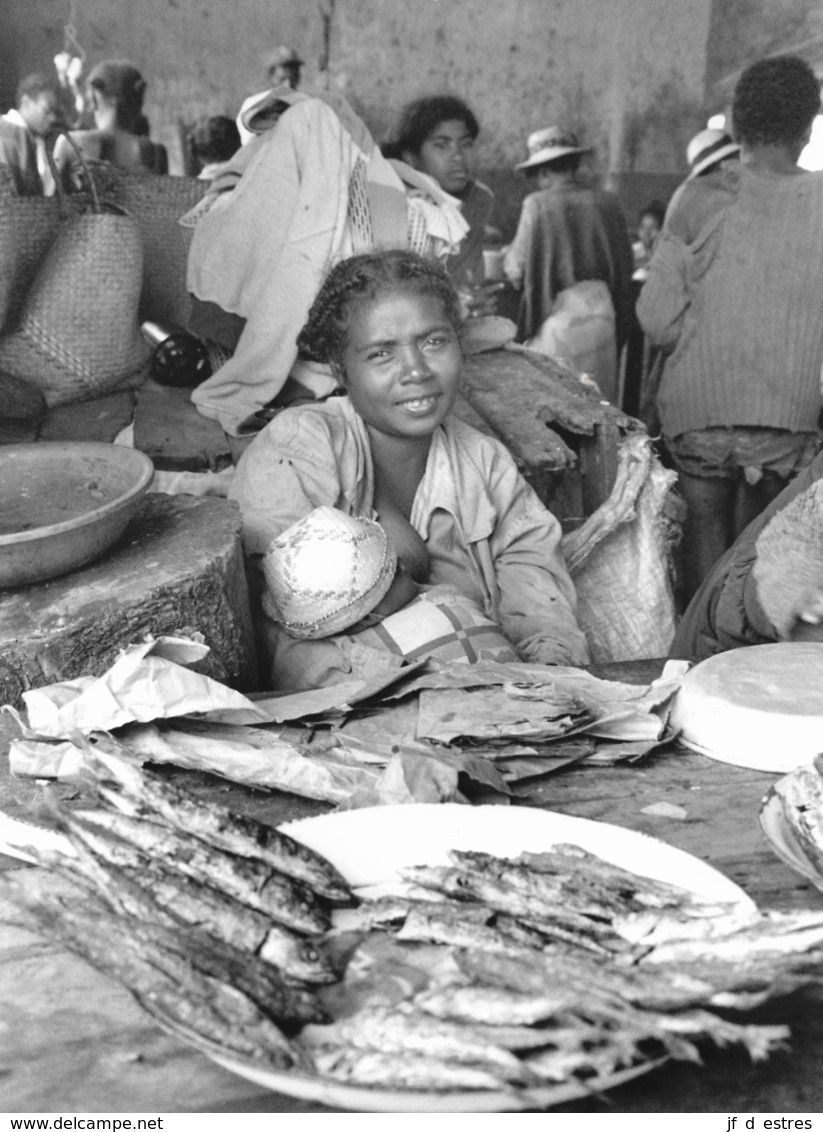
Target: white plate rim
(586, 832)
(362, 1098)
(736, 760)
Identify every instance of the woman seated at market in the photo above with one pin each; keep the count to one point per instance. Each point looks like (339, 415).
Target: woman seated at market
(120, 135)
(454, 506)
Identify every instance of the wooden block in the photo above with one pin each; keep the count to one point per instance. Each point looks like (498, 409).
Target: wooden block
(169, 429)
(508, 393)
(101, 419)
(177, 569)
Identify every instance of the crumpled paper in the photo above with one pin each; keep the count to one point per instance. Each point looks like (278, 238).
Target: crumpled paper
(539, 703)
(147, 681)
(359, 743)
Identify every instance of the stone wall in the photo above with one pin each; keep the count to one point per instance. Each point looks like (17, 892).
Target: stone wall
(627, 74)
(742, 31)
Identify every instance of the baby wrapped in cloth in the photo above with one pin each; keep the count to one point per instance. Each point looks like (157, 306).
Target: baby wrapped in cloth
(334, 578)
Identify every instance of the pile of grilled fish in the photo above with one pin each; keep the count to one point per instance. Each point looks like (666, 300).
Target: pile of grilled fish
(487, 974)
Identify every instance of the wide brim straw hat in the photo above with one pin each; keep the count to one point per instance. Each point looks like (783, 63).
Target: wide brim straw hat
(326, 572)
(549, 144)
(708, 148)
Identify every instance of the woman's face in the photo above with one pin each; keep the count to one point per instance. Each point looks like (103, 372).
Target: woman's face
(446, 155)
(401, 363)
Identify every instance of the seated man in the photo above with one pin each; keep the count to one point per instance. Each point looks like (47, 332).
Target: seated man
(436, 135)
(39, 113)
(727, 612)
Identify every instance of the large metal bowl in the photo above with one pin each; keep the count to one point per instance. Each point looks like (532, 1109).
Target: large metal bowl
(63, 504)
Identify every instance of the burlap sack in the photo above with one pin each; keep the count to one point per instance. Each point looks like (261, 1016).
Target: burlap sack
(620, 561)
(77, 335)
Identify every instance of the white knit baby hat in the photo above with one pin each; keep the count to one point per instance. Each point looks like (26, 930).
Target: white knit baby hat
(325, 572)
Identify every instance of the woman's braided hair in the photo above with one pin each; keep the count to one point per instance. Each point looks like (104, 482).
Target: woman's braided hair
(356, 281)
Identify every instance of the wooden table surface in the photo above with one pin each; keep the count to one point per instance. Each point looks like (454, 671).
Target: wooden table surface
(72, 1041)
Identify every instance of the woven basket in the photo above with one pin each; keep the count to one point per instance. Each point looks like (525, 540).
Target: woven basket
(28, 228)
(157, 202)
(77, 334)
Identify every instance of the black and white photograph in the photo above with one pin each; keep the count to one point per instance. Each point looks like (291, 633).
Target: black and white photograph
(411, 562)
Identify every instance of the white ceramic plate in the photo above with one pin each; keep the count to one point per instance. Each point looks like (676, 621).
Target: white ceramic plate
(370, 845)
(758, 707)
(27, 839)
(774, 764)
(360, 1098)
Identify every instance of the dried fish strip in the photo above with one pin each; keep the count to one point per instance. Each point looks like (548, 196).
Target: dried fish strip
(290, 1003)
(159, 978)
(788, 935)
(403, 1071)
(183, 899)
(552, 919)
(235, 833)
(578, 866)
(495, 1006)
(604, 1004)
(288, 902)
(434, 925)
(386, 1030)
(560, 1064)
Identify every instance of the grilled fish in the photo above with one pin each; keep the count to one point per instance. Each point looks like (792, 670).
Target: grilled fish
(287, 901)
(161, 970)
(219, 826)
(393, 1031)
(403, 1071)
(493, 1005)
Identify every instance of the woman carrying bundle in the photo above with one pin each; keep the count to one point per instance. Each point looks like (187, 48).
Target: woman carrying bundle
(455, 509)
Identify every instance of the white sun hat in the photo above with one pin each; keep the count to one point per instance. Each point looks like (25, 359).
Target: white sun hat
(325, 572)
(550, 143)
(707, 148)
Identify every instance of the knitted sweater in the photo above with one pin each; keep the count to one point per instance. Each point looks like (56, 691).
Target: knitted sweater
(696, 201)
(742, 308)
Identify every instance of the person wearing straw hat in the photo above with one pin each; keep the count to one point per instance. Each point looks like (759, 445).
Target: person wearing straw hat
(714, 163)
(572, 258)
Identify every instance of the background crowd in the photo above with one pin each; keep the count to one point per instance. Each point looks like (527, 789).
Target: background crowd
(700, 315)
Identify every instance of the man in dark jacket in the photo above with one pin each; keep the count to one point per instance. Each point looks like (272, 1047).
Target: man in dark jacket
(569, 235)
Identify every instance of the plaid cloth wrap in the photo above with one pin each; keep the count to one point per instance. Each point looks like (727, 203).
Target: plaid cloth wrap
(443, 624)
